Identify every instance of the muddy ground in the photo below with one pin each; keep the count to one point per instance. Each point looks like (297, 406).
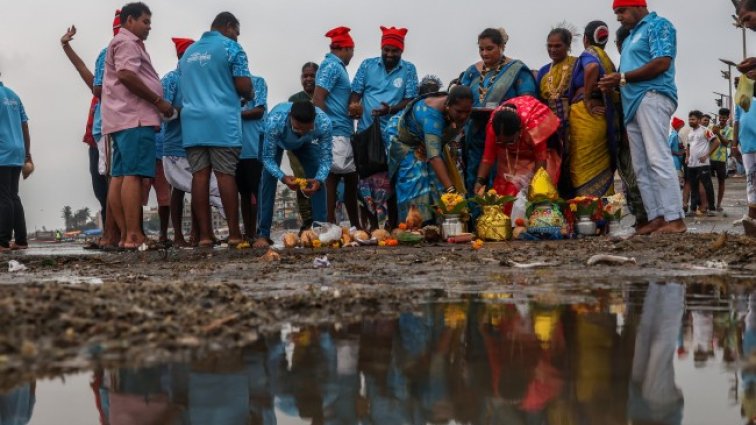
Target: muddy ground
(66, 313)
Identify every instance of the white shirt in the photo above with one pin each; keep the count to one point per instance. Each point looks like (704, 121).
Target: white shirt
(699, 144)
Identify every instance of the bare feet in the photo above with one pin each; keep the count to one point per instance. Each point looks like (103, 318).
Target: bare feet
(650, 227)
(233, 243)
(15, 247)
(261, 243)
(672, 227)
(180, 243)
(207, 243)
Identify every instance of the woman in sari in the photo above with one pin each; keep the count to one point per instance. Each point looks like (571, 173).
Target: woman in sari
(416, 148)
(517, 143)
(590, 128)
(493, 80)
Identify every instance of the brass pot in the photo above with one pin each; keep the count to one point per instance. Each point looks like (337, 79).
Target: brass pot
(494, 225)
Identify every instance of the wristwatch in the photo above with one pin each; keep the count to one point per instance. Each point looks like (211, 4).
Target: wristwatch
(623, 80)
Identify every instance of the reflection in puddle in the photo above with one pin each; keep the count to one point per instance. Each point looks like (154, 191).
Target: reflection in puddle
(647, 355)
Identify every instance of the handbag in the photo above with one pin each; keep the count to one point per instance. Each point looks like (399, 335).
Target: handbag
(370, 151)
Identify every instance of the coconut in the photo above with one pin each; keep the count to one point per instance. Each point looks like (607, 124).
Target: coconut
(307, 237)
(380, 235)
(290, 240)
(360, 235)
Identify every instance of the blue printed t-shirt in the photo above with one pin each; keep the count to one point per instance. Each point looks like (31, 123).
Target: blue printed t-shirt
(376, 86)
(674, 147)
(654, 37)
(279, 136)
(99, 75)
(746, 128)
(12, 115)
(253, 130)
(332, 76)
(210, 106)
(172, 140)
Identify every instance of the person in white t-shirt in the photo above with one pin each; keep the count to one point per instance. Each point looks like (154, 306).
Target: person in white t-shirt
(701, 144)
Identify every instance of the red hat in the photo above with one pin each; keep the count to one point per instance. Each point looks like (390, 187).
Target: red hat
(629, 3)
(182, 44)
(677, 123)
(117, 22)
(340, 38)
(393, 37)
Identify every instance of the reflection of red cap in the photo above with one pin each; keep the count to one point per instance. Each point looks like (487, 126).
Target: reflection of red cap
(340, 38)
(182, 44)
(393, 37)
(629, 3)
(117, 22)
(677, 123)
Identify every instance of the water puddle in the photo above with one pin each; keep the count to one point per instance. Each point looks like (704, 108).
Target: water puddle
(645, 354)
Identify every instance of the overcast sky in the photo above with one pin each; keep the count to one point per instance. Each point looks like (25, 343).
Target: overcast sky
(280, 36)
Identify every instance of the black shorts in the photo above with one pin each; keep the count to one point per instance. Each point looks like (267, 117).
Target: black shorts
(248, 173)
(719, 169)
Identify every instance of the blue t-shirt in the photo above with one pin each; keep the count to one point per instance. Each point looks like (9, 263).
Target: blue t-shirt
(332, 76)
(210, 106)
(674, 146)
(746, 128)
(376, 86)
(99, 75)
(12, 116)
(253, 130)
(172, 140)
(654, 37)
(279, 136)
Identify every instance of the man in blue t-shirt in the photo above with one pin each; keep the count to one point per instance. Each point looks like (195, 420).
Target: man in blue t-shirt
(332, 91)
(249, 170)
(14, 152)
(646, 79)
(305, 130)
(214, 75)
(384, 85)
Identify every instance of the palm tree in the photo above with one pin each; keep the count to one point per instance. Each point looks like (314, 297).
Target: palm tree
(67, 215)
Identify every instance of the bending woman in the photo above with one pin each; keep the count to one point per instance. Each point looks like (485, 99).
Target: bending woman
(416, 145)
(493, 80)
(517, 143)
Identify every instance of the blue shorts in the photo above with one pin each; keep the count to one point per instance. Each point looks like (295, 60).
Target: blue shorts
(134, 152)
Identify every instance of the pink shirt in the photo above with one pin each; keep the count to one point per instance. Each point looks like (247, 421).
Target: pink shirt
(122, 109)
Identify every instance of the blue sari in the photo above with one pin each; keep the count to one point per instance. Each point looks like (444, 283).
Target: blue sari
(418, 128)
(513, 80)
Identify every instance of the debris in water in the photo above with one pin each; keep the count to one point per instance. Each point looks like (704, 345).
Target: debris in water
(720, 242)
(715, 264)
(610, 260)
(321, 262)
(271, 256)
(15, 266)
(510, 263)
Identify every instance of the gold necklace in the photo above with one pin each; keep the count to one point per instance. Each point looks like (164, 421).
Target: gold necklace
(555, 92)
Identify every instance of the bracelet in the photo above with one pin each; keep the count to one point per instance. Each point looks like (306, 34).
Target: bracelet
(451, 189)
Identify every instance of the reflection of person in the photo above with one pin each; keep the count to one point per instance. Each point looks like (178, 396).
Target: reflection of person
(654, 397)
(17, 406)
(517, 136)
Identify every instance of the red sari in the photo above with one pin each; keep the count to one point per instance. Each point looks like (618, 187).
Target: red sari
(515, 163)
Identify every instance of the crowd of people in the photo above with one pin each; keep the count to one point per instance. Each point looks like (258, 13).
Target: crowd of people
(206, 129)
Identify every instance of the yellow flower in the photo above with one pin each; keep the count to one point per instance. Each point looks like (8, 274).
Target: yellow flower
(573, 207)
(493, 192)
(316, 243)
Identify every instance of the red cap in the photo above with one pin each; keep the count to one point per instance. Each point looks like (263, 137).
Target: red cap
(393, 37)
(340, 38)
(629, 3)
(677, 123)
(182, 44)
(117, 22)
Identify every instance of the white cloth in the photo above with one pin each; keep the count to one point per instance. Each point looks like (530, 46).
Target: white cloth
(102, 164)
(179, 176)
(749, 163)
(343, 156)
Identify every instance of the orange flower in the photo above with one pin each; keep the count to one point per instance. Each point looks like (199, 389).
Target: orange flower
(520, 222)
(402, 226)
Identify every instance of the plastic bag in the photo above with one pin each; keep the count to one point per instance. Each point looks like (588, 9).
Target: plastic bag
(327, 232)
(370, 151)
